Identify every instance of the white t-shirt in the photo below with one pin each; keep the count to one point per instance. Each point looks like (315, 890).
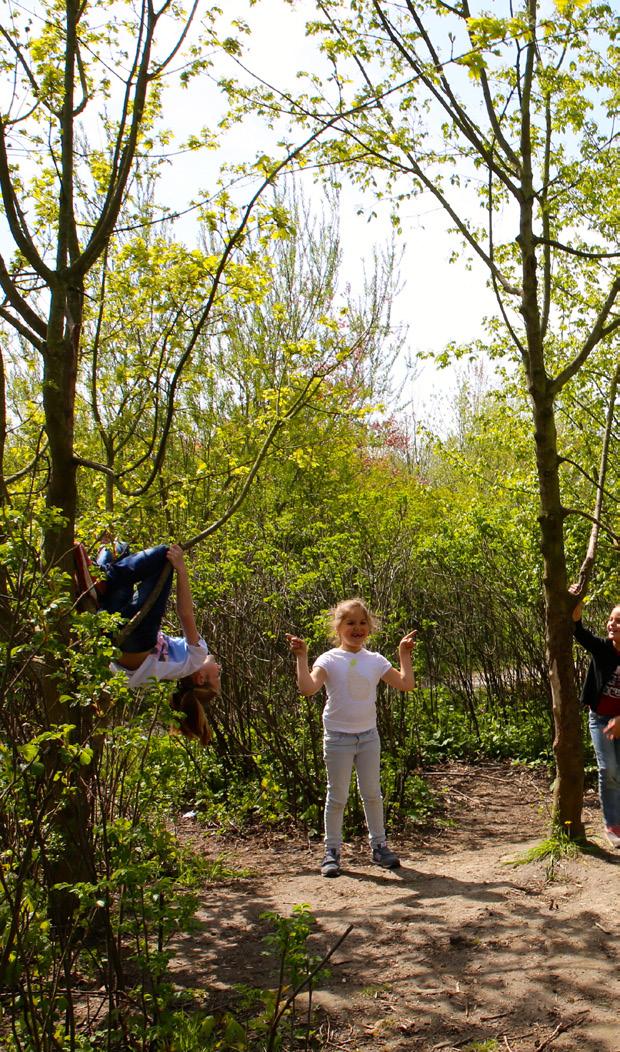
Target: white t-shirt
(351, 686)
(172, 658)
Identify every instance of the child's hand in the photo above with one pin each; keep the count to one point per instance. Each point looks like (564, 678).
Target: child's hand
(175, 556)
(297, 645)
(612, 730)
(574, 589)
(408, 641)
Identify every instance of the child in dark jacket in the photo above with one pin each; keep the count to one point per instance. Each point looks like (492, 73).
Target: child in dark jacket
(601, 693)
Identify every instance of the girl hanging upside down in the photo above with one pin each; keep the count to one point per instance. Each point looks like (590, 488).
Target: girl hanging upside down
(147, 653)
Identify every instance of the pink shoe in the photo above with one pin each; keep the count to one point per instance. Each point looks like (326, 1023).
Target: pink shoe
(613, 835)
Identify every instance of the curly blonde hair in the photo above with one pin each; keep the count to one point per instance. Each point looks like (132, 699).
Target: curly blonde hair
(338, 613)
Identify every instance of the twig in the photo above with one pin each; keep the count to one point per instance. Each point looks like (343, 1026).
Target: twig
(452, 1044)
(456, 792)
(561, 1028)
(588, 562)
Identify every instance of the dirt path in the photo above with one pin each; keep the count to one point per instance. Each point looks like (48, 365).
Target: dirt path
(454, 948)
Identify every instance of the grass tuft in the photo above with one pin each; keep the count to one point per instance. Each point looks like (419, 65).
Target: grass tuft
(557, 848)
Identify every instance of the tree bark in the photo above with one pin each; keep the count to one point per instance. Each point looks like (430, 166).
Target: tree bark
(59, 381)
(567, 744)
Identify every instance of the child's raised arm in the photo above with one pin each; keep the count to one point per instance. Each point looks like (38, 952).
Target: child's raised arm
(185, 604)
(307, 682)
(402, 678)
(578, 609)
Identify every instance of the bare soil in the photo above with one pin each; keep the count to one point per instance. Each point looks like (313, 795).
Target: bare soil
(456, 947)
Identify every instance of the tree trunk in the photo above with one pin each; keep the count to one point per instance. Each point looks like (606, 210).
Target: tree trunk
(71, 813)
(567, 745)
(59, 383)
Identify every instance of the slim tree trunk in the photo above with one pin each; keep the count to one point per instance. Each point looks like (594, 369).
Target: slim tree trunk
(70, 805)
(59, 382)
(567, 745)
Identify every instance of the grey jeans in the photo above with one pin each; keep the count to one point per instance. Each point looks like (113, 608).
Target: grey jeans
(341, 751)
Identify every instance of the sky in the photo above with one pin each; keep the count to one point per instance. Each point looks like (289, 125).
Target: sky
(439, 301)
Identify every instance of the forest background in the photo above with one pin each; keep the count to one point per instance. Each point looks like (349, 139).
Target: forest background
(215, 370)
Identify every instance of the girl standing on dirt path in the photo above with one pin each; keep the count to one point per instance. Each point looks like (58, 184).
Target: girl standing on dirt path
(350, 674)
(601, 692)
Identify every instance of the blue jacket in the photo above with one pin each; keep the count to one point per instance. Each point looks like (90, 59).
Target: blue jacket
(605, 659)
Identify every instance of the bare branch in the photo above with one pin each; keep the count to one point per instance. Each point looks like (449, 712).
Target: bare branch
(599, 332)
(455, 111)
(179, 43)
(28, 467)
(589, 478)
(583, 579)
(94, 465)
(588, 563)
(22, 61)
(125, 147)
(15, 217)
(582, 253)
(460, 118)
(22, 329)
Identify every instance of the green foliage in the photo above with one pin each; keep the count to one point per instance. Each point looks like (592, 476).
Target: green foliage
(264, 1019)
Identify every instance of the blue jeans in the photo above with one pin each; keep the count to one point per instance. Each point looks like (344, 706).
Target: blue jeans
(608, 760)
(340, 752)
(129, 583)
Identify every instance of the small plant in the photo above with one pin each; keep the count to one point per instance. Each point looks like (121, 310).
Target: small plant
(203, 1033)
(263, 1017)
(375, 990)
(219, 869)
(560, 845)
(482, 1046)
(298, 968)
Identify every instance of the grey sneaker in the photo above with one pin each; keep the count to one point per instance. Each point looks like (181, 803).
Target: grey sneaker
(330, 866)
(382, 856)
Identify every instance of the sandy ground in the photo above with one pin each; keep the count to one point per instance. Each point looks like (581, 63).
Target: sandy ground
(454, 949)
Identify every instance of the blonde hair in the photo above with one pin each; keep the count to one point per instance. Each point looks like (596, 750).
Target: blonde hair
(338, 613)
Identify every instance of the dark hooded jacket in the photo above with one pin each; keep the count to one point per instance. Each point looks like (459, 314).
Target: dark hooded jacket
(605, 659)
